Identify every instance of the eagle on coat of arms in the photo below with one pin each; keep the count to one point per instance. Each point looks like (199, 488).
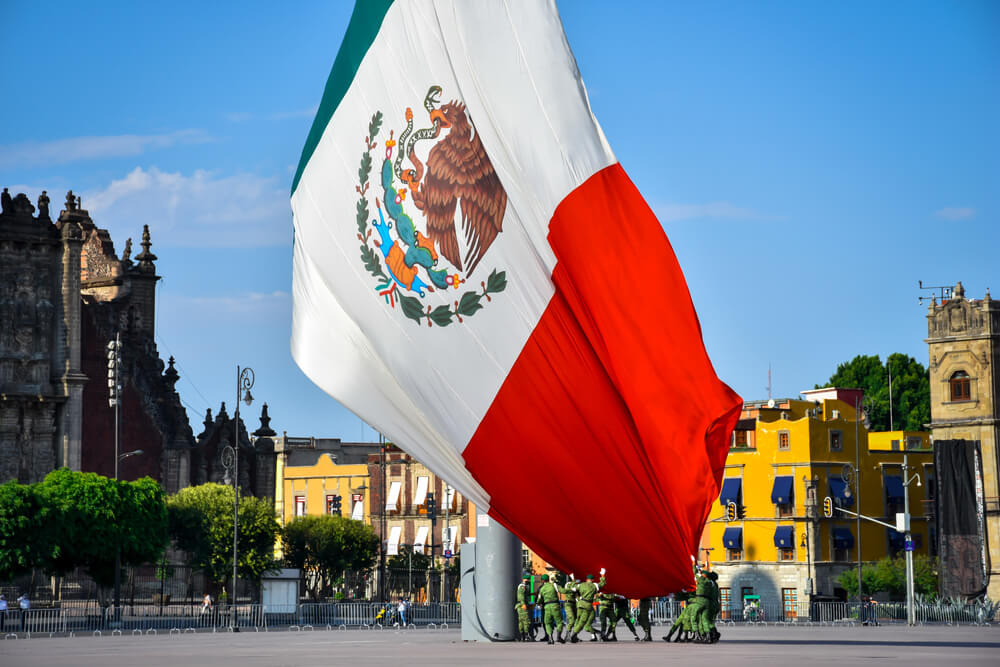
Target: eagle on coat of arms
(456, 175)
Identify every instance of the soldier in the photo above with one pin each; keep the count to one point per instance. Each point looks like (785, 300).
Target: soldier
(569, 592)
(523, 615)
(644, 606)
(606, 614)
(548, 597)
(587, 592)
(622, 612)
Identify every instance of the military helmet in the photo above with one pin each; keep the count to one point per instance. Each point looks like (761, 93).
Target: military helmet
(590, 577)
(545, 577)
(526, 577)
(714, 576)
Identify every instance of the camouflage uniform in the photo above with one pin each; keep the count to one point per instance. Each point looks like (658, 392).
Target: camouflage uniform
(644, 606)
(606, 614)
(523, 613)
(548, 597)
(587, 592)
(569, 593)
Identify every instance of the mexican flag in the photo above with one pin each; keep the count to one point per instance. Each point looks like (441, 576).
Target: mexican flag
(476, 276)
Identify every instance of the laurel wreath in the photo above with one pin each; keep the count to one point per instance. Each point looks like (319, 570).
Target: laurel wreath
(467, 305)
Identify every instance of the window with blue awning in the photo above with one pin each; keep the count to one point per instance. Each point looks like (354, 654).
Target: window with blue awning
(781, 494)
(731, 490)
(839, 492)
(732, 538)
(784, 537)
(843, 538)
(894, 487)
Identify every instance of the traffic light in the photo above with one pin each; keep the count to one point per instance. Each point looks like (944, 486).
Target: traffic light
(731, 512)
(114, 372)
(335, 505)
(828, 507)
(431, 504)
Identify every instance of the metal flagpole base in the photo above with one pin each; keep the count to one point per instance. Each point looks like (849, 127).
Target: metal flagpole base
(490, 570)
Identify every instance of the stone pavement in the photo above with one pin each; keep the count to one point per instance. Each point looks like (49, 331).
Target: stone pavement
(932, 645)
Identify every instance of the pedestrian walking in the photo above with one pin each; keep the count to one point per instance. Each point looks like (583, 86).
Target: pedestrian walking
(3, 611)
(25, 604)
(401, 609)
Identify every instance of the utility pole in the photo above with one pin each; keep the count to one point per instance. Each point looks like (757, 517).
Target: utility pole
(446, 541)
(908, 537)
(114, 400)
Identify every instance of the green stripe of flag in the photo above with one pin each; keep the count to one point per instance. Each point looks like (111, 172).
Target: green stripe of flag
(361, 31)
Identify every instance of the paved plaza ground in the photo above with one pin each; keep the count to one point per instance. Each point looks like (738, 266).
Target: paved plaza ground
(934, 645)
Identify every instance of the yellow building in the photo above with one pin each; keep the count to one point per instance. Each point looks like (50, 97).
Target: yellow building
(786, 457)
(322, 476)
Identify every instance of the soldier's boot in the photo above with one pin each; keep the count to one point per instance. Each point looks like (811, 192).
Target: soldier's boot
(635, 635)
(648, 637)
(573, 639)
(549, 639)
(593, 636)
(562, 636)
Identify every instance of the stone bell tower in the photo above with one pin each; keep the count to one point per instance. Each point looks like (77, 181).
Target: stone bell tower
(963, 339)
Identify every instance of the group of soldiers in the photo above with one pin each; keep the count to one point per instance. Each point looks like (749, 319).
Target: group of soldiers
(695, 623)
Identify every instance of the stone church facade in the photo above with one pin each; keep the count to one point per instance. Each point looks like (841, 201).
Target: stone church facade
(963, 338)
(64, 294)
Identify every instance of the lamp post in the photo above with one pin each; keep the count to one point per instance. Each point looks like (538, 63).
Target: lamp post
(862, 406)
(381, 527)
(114, 351)
(908, 537)
(231, 462)
(809, 580)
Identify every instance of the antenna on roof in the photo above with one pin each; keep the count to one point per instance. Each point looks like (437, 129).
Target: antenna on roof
(944, 292)
(769, 380)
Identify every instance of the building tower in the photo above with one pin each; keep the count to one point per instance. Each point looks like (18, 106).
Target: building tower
(963, 339)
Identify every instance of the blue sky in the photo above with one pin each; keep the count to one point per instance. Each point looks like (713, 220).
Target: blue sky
(810, 162)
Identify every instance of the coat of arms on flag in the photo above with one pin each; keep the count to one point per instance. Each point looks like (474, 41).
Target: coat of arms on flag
(454, 175)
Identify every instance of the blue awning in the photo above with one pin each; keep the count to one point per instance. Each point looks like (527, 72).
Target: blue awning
(732, 538)
(784, 537)
(731, 490)
(781, 494)
(894, 487)
(840, 493)
(843, 538)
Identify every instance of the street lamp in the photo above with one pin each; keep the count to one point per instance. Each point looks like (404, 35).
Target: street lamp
(907, 536)
(862, 406)
(231, 462)
(805, 545)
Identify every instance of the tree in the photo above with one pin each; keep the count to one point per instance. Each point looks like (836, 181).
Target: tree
(889, 575)
(201, 522)
(401, 561)
(94, 518)
(911, 397)
(848, 580)
(324, 546)
(25, 533)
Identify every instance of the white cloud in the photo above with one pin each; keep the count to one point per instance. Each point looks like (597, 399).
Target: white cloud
(76, 149)
(244, 116)
(721, 210)
(955, 213)
(203, 209)
(260, 305)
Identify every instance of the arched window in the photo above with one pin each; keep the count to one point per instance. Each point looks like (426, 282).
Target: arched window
(960, 390)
